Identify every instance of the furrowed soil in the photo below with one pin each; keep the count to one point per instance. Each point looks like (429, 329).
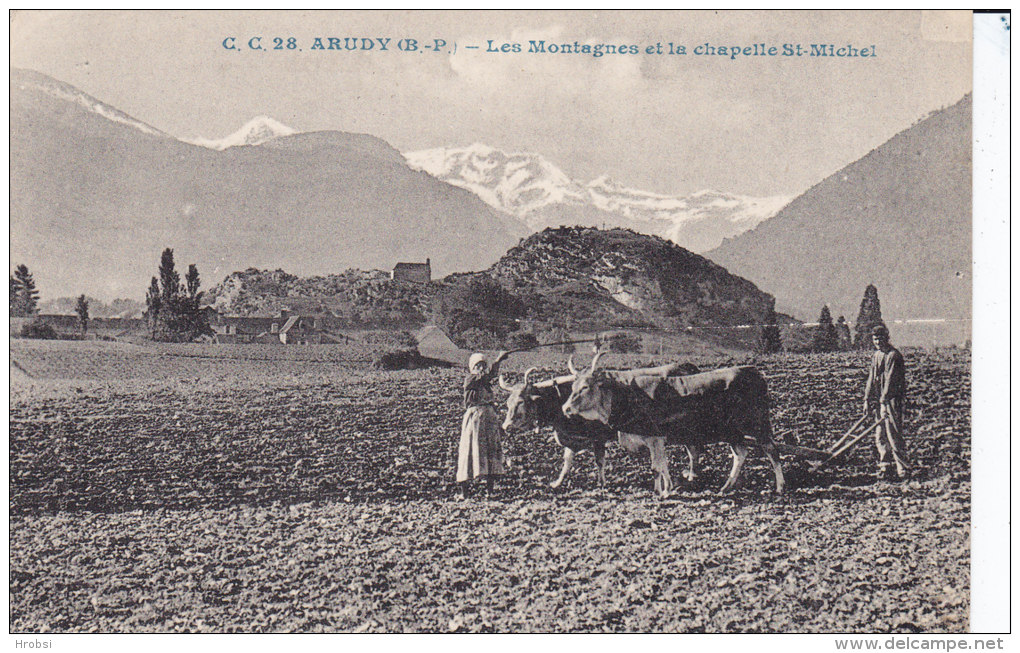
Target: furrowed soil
(263, 489)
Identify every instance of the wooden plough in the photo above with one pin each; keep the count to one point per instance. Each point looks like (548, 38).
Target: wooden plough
(824, 457)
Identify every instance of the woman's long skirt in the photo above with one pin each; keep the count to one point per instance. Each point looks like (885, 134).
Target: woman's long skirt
(481, 444)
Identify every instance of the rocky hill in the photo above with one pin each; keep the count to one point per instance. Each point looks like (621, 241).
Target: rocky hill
(569, 279)
(645, 275)
(898, 218)
(359, 297)
(94, 190)
(586, 279)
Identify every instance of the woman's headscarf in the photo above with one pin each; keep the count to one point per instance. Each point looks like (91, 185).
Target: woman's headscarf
(474, 360)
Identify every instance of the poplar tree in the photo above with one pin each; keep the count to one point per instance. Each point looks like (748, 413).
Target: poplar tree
(844, 341)
(82, 309)
(769, 340)
(15, 290)
(869, 317)
(172, 308)
(825, 338)
(153, 304)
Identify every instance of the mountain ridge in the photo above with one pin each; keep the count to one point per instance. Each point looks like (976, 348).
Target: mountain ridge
(24, 77)
(542, 195)
(314, 202)
(898, 217)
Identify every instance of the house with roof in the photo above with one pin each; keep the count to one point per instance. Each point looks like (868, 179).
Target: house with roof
(286, 328)
(412, 272)
(300, 330)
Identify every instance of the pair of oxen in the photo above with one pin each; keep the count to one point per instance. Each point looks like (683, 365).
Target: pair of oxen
(649, 407)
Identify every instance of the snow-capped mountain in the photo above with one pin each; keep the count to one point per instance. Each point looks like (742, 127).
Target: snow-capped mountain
(515, 183)
(541, 195)
(29, 81)
(256, 131)
(93, 186)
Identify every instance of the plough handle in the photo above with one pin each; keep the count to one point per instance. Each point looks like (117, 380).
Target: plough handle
(837, 452)
(849, 432)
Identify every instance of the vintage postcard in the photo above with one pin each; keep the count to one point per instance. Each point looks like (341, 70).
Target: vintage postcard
(493, 322)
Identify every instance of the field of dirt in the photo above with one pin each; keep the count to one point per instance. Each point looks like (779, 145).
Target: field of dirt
(251, 488)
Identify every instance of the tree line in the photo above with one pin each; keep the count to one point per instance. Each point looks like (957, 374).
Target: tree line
(173, 312)
(828, 335)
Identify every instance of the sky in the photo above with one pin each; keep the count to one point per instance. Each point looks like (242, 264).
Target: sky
(754, 125)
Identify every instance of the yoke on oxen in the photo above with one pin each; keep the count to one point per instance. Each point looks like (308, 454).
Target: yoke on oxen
(727, 405)
(540, 404)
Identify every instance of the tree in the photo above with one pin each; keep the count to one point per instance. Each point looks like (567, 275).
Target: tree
(194, 321)
(169, 280)
(769, 341)
(172, 308)
(844, 342)
(82, 309)
(191, 280)
(825, 336)
(153, 303)
(15, 289)
(474, 304)
(869, 317)
(24, 297)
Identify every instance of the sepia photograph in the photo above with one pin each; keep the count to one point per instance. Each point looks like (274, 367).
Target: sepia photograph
(493, 322)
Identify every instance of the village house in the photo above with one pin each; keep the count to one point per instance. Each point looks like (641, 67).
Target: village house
(286, 328)
(413, 272)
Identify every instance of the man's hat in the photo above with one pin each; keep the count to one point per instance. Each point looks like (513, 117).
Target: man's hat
(880, 330)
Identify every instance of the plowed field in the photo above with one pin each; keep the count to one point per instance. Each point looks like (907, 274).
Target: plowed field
(294, 489)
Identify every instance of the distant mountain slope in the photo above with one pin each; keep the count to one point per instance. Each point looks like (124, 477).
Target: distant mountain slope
(61, 95)
(540, 194)
(96, 195)
(899, 218)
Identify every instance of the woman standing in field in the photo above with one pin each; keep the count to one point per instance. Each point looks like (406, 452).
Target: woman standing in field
(481, 436)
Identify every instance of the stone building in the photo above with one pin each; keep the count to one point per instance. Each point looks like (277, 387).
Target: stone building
(413, 272)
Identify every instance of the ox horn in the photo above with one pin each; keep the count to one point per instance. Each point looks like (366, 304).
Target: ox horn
(527, 374)
(570, 365)
(503, 384)
(595, 361)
